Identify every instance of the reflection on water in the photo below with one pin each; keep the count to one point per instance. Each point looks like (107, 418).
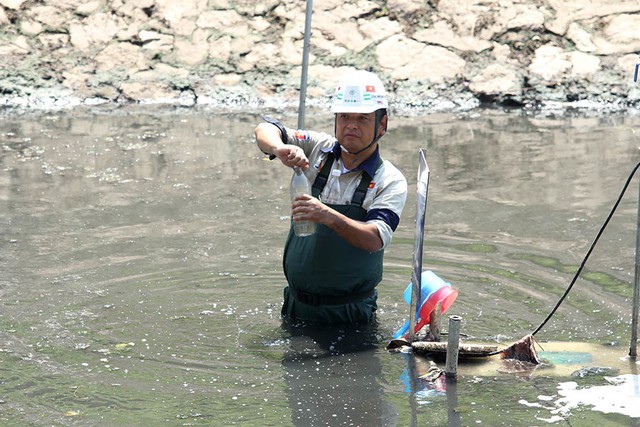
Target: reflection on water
(331, 376)
(141, 280)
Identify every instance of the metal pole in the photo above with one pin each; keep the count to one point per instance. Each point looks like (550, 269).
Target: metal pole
(636, 292)
(305, 64)
(422, 196)
(453, 346)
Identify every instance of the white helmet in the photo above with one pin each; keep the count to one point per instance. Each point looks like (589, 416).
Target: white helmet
(359, 92)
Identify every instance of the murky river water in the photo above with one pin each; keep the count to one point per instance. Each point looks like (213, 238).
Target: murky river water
(141, 281)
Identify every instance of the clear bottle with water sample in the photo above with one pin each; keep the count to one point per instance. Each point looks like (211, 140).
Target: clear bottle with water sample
(300, 186)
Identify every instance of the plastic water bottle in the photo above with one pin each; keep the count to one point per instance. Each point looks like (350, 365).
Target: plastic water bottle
(300, 186)
(334, 188)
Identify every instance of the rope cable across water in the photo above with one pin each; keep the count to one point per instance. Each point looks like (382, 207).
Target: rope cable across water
(584, 261)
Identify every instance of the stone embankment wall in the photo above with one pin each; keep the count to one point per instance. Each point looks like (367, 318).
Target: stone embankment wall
(432, 54)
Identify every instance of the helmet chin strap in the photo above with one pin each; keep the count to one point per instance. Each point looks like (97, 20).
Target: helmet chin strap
(360, 151)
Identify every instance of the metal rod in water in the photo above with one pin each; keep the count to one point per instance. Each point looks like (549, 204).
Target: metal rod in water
(453, 347)
(422, 196)
(636, 292)
(305, 64)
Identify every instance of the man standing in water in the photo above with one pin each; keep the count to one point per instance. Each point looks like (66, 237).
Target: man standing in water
(357, 199)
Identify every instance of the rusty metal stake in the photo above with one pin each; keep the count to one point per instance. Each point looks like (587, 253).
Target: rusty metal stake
(434, 323)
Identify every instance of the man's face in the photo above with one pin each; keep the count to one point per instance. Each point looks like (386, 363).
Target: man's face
(356, 130)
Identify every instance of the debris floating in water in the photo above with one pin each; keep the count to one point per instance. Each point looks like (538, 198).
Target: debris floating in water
(523, 350)
(620, 396)
(468, 350)
(432, 347)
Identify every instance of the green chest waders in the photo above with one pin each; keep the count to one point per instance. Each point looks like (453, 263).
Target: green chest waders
(331, 281)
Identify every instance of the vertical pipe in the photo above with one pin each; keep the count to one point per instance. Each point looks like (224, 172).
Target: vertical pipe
(636, 291)
(305, 64)
(451, 365)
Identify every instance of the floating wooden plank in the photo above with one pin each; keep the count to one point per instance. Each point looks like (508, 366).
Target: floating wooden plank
(465, 350)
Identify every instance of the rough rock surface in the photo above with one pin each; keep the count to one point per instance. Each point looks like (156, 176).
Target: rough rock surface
(434, 54)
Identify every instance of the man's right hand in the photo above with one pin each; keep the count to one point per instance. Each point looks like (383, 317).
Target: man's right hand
(292, 156)
(269, 140)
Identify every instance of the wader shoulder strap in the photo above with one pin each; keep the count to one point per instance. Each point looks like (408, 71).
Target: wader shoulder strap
(323, 176)
(361, 191)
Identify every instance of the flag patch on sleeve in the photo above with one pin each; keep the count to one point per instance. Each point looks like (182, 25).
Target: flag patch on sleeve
(372, 185)
(301, 135)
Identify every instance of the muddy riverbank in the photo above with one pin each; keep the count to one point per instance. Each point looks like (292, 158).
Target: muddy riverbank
(435, 55)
